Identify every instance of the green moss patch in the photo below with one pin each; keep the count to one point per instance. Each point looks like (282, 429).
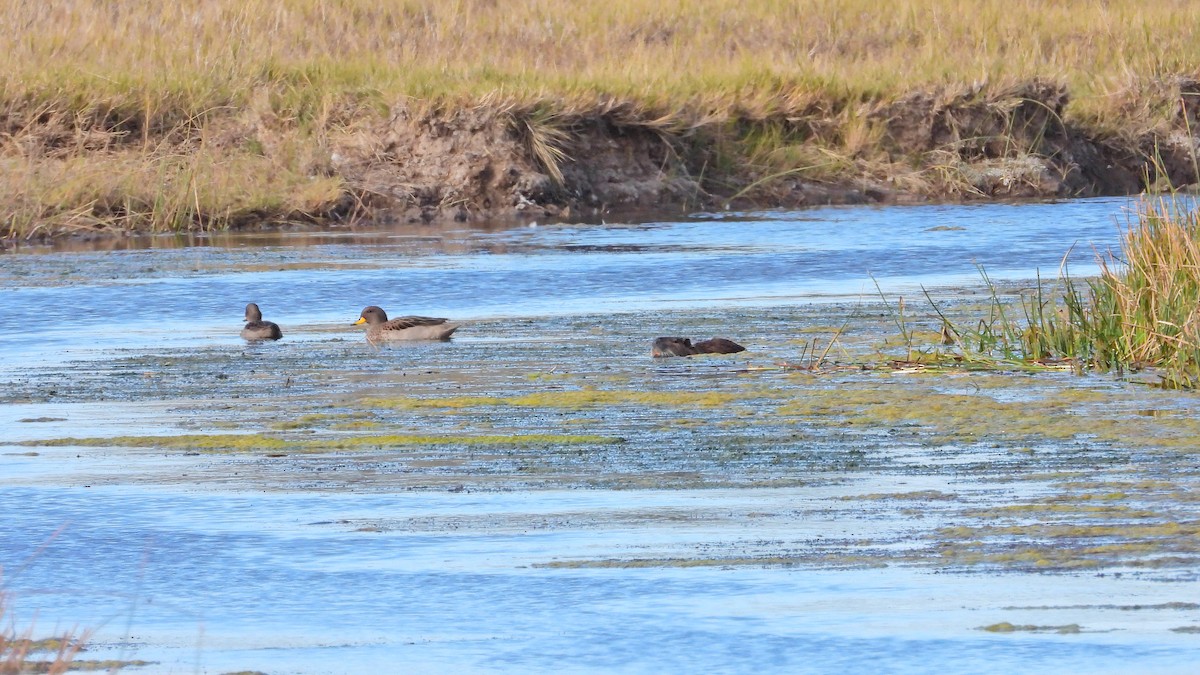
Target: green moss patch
(1017, 414)
(1006, 627)
(253, 442)
(573, 399)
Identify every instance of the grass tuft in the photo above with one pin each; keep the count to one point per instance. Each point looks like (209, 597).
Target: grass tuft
(1143, 311)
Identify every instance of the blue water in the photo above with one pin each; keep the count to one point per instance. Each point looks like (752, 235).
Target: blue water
(194, 295)
(222, 581)
(232, 576)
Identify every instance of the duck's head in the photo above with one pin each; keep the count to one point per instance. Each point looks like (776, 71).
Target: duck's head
(253, 313)
(371, 315)
(672, 346)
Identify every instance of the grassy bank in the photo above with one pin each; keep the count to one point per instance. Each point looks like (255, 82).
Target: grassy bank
(210, 114)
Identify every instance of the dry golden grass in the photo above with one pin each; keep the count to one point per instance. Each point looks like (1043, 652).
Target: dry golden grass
(1143, 311)
(759, 56)
(162, 192)
(132, 75)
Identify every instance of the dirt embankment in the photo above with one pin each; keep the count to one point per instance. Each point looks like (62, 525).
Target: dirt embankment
(473, 163)
(425, 163)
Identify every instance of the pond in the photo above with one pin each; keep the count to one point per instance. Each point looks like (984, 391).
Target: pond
(538, 494)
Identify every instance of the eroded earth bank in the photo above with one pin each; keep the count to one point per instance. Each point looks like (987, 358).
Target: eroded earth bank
(108, 169)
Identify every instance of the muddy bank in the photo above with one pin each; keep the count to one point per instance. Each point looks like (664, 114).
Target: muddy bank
(1016, 142)
(418, 161)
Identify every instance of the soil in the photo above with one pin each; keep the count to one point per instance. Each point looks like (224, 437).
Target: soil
(474, 163)
(426, 163)
(478, 163)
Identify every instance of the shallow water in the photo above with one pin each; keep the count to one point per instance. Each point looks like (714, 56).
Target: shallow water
(652, 530)
(201, 587)
(181, 297)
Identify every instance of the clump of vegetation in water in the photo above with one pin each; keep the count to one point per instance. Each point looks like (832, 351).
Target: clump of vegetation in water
(1143, 311)
(1147, 311)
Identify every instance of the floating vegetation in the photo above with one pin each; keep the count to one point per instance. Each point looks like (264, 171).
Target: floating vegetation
(1094, 415)
(1076, 544)
(110, 665)
(258, 442)
(572, 398)
(923, 495)
(1006, 627)
(1182, 606)
(842, 562)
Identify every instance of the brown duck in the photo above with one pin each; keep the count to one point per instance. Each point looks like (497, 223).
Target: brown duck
(256, 328)
(380, 329)
(681, 346)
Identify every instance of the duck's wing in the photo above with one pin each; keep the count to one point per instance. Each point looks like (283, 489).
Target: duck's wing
(719, 345)
(400, 323)
(672, 346)
(261, 330)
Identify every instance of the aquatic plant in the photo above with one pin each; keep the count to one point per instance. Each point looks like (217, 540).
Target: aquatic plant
(569, 398)
(1145, 307)
(274, 444)
(1006, 627)
(1143, 311)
